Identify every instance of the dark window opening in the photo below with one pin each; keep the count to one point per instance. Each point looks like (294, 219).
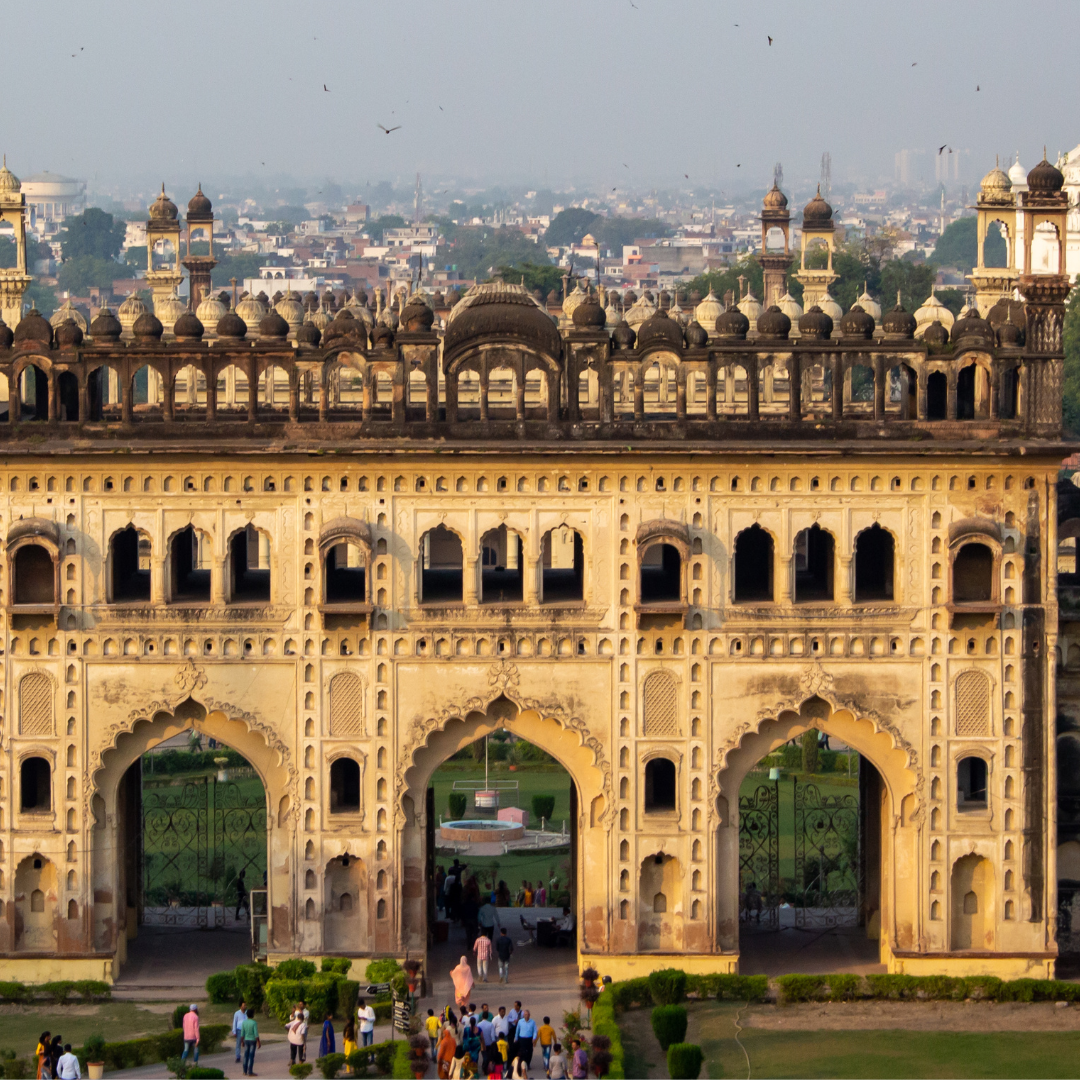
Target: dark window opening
(130, 566)
(441, 574)
(813, 565)
(346, 575)
(501, 577)
(35, 579)
(973, 575)
(971, 783)
(33, 394)
(874, 556)
(103, 392)
(190, 575)
(140, 387)
(903, 390)
(36, 785)
(344, 786)
(249, 560)
(661, 575)
(562, 560)
(67, 390)
(862, 383)
(660, 784)
(753, 565)
(965, 393)
(937, 396)
(1010, 394)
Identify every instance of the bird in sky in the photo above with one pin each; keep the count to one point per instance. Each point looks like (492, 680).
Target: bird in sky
(916, 64)
(324, 87)
(977, 87)
(625, 166)
(388, 130)
(612, 189)
(739, 166)
(770, 39)
(441, 109)
(940, 148)
(687, 175)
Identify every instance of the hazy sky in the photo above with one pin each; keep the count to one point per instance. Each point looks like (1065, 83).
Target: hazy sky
(549, 93)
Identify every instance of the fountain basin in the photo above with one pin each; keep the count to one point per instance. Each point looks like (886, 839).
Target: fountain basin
(472, 831)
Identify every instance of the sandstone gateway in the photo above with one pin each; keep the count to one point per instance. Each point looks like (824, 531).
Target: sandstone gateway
(721, 535)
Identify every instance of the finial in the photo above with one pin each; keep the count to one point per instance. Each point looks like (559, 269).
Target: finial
(898, 304)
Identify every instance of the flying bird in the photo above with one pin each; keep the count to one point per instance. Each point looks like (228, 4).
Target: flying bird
(977, 87)
(441, 109)
(324, 87)
(770, 39)
(687, 175)
(625, 166)
(739, 166)
(916, 64)
(388, 130)
(940, 148)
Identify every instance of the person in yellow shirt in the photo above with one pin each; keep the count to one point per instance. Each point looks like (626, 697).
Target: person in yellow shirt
(348, 1045)
(433, 1025)
(547, 1039)
(504, 1048)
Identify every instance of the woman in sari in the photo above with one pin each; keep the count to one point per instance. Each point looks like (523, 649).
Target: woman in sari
(463, 982)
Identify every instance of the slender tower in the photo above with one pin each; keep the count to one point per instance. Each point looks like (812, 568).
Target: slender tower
(14, 280)
(200, 226)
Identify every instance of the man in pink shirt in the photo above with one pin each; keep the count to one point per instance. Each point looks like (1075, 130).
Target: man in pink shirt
(482, 948)
(191, 1033)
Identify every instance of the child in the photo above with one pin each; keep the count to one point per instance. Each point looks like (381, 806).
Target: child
(348, 1040)
(432, 1024)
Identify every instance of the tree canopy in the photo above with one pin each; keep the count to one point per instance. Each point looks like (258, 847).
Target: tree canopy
(236, 266)
(93, 232)
(477, 251)
(958, 246)
(376, 228)
(34, 251)
(1070, 391)
(533, 276)
(612, 233)
(569, 226)
(83, 272)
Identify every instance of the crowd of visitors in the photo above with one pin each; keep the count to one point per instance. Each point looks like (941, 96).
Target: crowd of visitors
(55, 1059)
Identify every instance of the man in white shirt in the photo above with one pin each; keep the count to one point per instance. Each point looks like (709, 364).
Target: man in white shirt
(67, 1068)
(501, 1024)
(365, 1014)
(238, 1019)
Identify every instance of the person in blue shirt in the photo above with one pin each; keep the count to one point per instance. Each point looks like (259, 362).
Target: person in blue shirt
(525, 1038)
(328, 1043)
(238, 1019)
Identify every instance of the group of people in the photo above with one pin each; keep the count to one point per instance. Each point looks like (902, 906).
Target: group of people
(499, 1045)
(461, 897)
(55, 1059)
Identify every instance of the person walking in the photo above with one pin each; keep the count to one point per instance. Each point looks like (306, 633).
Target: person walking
(297, 1028)
(558, 1068)
(67, 1065)
(504, 947)
(483, 949)
(328, 1044)
(525, 1038)
(462, 977)
(547, 1040)
(365, 1016)
(238, 1018)
(444, 1053)
(42, 1054)
(56, 1052)
(191, 1033)
(242, 901)
(249, 1032)
(579, 1062)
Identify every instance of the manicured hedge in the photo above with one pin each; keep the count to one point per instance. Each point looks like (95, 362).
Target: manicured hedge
(668, 987)
(135, 1052)
(684, 1061)
(669, 1024)
(604, 1023)
(59, 992)
(223, 988)
(794, 988)
(402, 1064)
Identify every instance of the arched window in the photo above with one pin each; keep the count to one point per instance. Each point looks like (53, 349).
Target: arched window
(67, 395)
(562, 558)
(973, 575)
(661, 574)
(249, 566)
(874, 561)
(130, 560)
(35, 579)
(344, 786)
(971, 784)
(813, 566)
(501, 576)
(345, 574)
(660, 784)
(441, 561)
(965, 393)
(753, 565)
(35, 776)
(189, 567)
(33, 394)
(937, 396)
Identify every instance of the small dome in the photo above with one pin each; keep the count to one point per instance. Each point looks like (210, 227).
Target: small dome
(831, 308)
(935, 335)
(169, 309)
(624, 336)
(732, 324)
(359, 310)
(383, 337)
(857, 324)
(252, 311)
(163, 209)
(5, 335)
(974, 330)
(68, 334)
(498, 309)
(933, 310)
(750, 306)
(1018, 175)
(629, 299)
(230, 325)
(263, 298)
(320, 319)
(640, 310)
(291, 309)
(1007, 310)
(790, 307)
(1010, 335)
(898, 322)
(869, 305)
(272, 325)
(578, 296)
(418, 316)
(773, 323)
(199, 207)
(210, 311)
(1045, 178)
(129, 311)
(817, 211)
(774, 199)
(148, 327)
(34, 327)
(697, 337)
(708, 310)
(815, 325)
(345, 329)
(67, 311)
(996, 188)
(589, 315)
(660, 328)
(309, 334)
(188, 327)
(106, 326)
(9, 182)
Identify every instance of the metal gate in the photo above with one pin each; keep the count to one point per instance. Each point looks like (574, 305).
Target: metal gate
(197, 838)
(759, 855)
(828, 878)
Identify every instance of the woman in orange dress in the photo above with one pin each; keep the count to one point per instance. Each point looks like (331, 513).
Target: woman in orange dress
(42, 1053)
(444, 1053)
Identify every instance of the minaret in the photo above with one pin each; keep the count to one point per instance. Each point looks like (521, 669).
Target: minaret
(775, 215)
(996, 201)
(13, 281)
(200, 226)
(817, 228)
(163, 226)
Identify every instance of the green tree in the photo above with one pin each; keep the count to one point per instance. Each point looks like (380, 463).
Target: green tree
(83, 272)
(615, 233)
(136, 257)
(958, 246)
(236, 266)
(720, 281)
(376, 228)
(34, 251)
(569, 226)
(477, 250)
(41, 297)
(533, 276)
(1070, 403)
(92, 232)
(913, 281)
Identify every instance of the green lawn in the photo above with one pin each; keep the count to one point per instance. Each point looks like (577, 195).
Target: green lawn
(885, 1054)
(532, 780)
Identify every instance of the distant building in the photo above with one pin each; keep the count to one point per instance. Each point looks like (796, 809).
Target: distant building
(51, 198)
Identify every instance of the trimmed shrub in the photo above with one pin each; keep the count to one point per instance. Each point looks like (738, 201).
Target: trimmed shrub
(222, 988)
(457, 802)
(15, 992)
(94, 1048)
(178, 1015)
(401, 1066)
(543, 806)
(684, 1061)
(347, 992)
(59, 991)
(801, 987)
(844, 987)
(92, 989)
(293, 969)
(320, 993)
(300, 1071)
(629, 992)
(337, 964)
(380, 971)
(281, 996)
(330, 1065)
(204, 1072)
(669, 1024)
(729, 987)
(604, 1024)
(668, 987)
(251, 980)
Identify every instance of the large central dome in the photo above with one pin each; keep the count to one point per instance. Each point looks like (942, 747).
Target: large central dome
(499, 309)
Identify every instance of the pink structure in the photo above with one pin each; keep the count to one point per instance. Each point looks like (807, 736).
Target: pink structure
(515, 814)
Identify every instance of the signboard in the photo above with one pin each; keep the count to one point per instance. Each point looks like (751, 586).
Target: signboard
(402, 1013)
(375, 989)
